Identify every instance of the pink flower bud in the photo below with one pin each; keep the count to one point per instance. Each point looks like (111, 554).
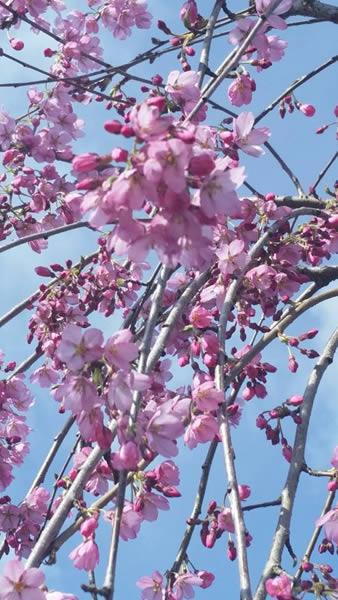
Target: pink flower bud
(157, 79)
(48, 52)
(201, 165)
(321, 129)
(261, 422)
(207, 578)
(16, 44)
(307, 566)
(190, 51)
(307, 109)
(163, 27)
(287, 452)
(227, 137)
(248, 393)
(183, 361)
(170, 491)
(127, 131)
(231, 552)
(189, 13)
(295, 400)
(332, 486)
(88, 527)
(119, 155)
(335, 111)
(88, 183)
(113, 126)
(85, 162)
(292, 364)
(244, 491)
(43, 272)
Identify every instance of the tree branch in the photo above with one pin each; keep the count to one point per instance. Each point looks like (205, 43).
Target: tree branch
(296, 465)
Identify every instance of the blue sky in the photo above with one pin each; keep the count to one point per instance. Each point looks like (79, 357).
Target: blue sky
(259, 464)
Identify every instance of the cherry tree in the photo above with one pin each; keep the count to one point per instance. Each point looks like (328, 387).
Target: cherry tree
(204, 251)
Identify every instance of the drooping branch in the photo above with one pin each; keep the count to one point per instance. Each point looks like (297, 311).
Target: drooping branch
(296, 84)
(290, 488)
(196, 511)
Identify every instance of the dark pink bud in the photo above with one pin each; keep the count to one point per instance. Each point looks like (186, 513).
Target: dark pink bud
(332, 486)
(48, 52)
(183, 361)
(307, 109)
(231, 552)
(119, 155)
(206, 577)
(321, 129)
(88, 183)
(43, 272)
(85, 162)
(157, 79)
(292, 364)
(244, 491)
(307, 566)
(261, 422)
(201, 165)
(16, 44)
(212, 507)
(287, 452)
(295, 400)
(163, 27)
(293, 341)
(175, 41)
(170, 491)
(127, 131)
(113, 126)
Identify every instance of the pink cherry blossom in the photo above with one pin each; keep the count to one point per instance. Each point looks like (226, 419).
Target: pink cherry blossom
(334, 459)
(274, 20)
(330, 523)
(217, 195)
(78, 347)
(151, 587)
(86, 555)
(240, 90)
(183, 87)
(201, 429)
(207, 397)
(167, 161)
(280, 587)
(225, 520)
(120, 350)
(200, 317)
(130, 522)
(148, 504)
(18, 583)
(246, 137)
(162, 431)
(183, 586)
(232, 257)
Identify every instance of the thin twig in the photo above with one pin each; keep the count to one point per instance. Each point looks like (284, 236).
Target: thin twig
(286, 168)
(313, 540)
(324, 171)
(297, 83)
(44, 235)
